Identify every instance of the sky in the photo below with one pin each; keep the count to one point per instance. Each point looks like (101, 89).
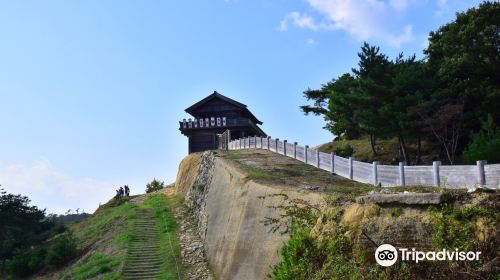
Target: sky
(91, 92)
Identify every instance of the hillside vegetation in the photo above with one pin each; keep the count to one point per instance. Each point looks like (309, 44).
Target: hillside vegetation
(387, 150)
(109, 239)
(447, 98)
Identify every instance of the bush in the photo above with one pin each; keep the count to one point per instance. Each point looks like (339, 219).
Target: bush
(154, 185)
(62, 248)
(485, 144)
(305, 257)
(345, 151)
(26, 261)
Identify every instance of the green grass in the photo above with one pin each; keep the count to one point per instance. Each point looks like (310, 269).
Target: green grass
(268, 167)
(256, 173)
(110, 226)
(98, 264)
(125, 214)
(93, 228)
(169, 243)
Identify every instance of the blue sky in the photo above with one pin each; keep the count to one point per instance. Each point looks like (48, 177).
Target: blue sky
(91, 91)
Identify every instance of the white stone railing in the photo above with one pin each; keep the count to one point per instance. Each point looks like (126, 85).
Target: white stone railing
(448, 176)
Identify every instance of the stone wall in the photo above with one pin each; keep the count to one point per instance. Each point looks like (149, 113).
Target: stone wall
(230, 211)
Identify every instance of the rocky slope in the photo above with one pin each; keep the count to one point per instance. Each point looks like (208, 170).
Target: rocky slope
(242, 202)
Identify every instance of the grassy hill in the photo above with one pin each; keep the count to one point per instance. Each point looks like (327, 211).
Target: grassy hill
(117, 233)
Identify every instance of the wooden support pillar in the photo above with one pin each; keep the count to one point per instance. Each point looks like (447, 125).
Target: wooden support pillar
(284, 147)
(269, 142)
(295, 150)
(276, 145)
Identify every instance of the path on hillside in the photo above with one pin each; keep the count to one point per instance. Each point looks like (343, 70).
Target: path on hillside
(143, 259)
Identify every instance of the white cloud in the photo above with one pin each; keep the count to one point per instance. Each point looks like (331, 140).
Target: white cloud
(311, 41)
(49, 188)
(399, 5)
(442, 2)
(301, 21)
(406, 36)
(362, 19)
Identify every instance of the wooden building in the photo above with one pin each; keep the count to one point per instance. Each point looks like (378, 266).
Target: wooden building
(214, 115)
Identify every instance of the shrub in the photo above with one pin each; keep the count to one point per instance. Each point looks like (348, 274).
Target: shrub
(62, 248)
(485, 144)
(345, 151)
(305, 257)
(154, 185)
(26, 261)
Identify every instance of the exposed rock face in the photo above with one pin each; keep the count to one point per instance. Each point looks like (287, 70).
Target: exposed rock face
(230, 211)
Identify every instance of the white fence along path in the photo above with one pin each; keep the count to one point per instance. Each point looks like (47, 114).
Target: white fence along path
(448, 176)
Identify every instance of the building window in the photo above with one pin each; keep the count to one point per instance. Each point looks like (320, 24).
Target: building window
(190, 123)
(207, 122)
(184, 123)
(195, 123)
(223, 121)
(218, 121)
(212, 121)
(201, 122)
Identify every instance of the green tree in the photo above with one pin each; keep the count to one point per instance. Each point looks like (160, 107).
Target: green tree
(485, 144)
(21, 225)
(374, 76)
(154, 185)
(336, 101)
(464, 56)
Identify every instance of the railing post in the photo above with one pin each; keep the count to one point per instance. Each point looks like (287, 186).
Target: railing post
(255, 141)
(305, 153)
(295, 150)
(276, 145)
(375, 172)
(317, 158)
(350, 168)
(239, 148)
(284, 147)
(261, 142)
(402, 173)
(269, 142)
(248, 139)
(332, 161)
(480, 170)
(435, 166)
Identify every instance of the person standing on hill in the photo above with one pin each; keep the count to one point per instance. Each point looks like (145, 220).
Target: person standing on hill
(127, 190)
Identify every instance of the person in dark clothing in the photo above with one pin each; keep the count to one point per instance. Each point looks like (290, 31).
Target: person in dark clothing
(127, 190)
